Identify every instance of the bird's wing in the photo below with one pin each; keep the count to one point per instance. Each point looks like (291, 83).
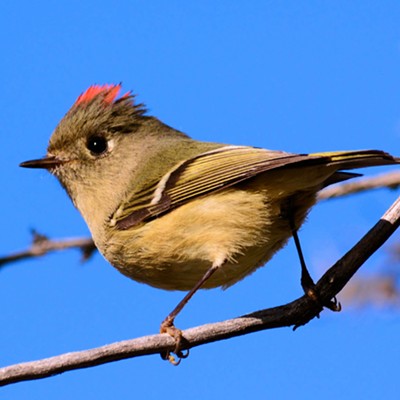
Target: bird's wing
(212, 171)
(208, 172)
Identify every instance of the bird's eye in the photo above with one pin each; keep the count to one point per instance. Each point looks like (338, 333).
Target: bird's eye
(97, 145)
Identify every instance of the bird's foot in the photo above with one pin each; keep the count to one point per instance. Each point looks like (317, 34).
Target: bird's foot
(167, 326)
(312, 293)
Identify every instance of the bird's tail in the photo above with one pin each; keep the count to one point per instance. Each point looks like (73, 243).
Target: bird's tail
(358, 158)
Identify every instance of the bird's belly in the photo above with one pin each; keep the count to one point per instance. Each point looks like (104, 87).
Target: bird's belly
(173, 252)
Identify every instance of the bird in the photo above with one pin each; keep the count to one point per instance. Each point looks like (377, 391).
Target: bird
(180, 214)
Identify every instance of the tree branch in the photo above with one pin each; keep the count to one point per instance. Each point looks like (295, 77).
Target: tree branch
(297, 313)
(42, 245)
(389, 180)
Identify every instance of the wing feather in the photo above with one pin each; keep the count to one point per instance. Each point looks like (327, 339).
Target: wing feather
(206, 173)
(221, 168)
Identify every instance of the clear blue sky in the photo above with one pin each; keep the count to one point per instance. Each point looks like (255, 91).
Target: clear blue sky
(301, 76)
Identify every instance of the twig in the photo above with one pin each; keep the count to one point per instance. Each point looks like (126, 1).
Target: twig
(296, 313)
(388, 180)
(42, 245)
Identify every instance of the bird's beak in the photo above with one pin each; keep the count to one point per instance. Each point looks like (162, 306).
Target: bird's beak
(48, 162)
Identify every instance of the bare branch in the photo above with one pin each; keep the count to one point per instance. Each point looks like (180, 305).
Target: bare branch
(297, 313)
(42, 245)
(388, 180)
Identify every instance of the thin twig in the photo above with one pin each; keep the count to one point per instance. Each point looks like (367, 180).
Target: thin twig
(42, 245)
(297, 313)
(389, 180)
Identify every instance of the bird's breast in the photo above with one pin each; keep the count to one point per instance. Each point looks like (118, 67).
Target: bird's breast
(243, 227)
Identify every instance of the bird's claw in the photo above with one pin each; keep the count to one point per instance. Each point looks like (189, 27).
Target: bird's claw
(168, 327)
(313, 294)
(332, 304)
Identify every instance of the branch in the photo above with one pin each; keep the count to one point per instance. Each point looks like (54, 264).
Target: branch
(42, 245)
(389, 180)
(297, 313)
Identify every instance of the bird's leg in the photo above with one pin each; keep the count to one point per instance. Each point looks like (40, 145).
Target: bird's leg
(167, 326)
(307, 282)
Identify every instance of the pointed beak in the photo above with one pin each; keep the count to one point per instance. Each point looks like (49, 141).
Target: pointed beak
(48, 162)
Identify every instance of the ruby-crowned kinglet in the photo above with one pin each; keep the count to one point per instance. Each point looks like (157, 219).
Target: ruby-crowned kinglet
(176, 213)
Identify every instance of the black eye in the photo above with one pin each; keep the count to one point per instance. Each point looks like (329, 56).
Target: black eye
(97, 145)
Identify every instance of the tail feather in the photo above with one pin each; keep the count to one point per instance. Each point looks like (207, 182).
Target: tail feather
(358, 159)
(340, 176)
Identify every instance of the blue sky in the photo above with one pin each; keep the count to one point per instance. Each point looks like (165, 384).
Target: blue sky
(297, 76)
